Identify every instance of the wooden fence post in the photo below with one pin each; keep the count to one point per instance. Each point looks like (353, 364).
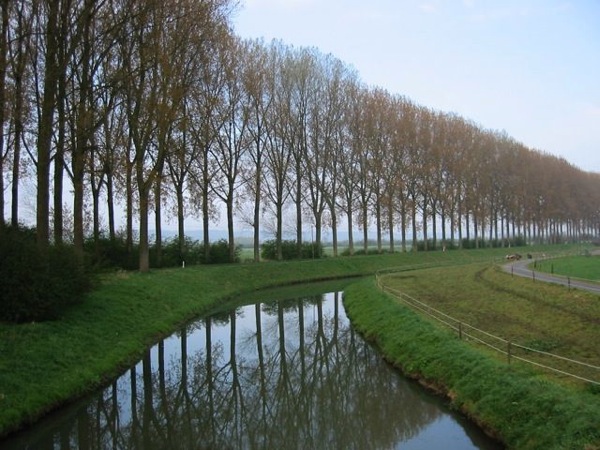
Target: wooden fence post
(508, 351)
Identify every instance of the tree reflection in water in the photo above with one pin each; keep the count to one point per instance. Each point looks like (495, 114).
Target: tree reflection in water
(285, 374)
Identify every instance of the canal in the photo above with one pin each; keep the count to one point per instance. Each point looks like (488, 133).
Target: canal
(286, 371)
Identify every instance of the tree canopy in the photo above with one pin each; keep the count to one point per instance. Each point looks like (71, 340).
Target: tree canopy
(158, 107)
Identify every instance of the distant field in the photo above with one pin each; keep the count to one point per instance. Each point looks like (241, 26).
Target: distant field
(541, 316)
(581, 266)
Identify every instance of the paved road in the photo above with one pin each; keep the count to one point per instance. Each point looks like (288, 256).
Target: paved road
(520, 268)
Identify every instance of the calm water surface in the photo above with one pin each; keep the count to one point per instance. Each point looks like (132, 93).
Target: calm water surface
(288, 374)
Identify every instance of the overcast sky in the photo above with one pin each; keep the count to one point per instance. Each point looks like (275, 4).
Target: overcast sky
(529, 67)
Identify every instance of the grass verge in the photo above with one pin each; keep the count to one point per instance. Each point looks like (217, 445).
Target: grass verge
(512, 403)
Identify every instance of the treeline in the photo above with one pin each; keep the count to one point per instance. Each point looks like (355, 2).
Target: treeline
(157, 107)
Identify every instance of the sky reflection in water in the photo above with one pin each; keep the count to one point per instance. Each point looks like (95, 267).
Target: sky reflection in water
(287, 374)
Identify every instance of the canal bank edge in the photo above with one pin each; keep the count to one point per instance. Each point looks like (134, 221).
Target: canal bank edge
(47, 365)
(512, 404)
(44, 366)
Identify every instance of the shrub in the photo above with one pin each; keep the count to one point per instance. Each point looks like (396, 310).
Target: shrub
(171, 254)
(219, 253)
(519, 241)
(430, 245)
(106, 253)
(68, 278)
(289, 250)
(37, 285)
(361, 252)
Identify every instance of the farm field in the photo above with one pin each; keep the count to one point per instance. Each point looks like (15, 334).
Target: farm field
(542, 317)
(581, 266)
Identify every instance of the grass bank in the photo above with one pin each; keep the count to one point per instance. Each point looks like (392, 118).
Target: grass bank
(539, 316)
(45, 365)
(520, 407)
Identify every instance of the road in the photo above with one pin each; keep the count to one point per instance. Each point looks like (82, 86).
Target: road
(520, 268)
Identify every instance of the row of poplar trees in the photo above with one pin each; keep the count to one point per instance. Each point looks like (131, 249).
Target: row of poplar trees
(156, 106)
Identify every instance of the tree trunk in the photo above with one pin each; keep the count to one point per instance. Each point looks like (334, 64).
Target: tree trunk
(16, 169)
(158, 219)
(334, 231)
(318, 226)
(459, 222)
(279, 231)
(391, 227)
(84, 131)
(129, 203)
(4, 4)
(181, 224)
(44, 142)
(299, 209)
(350, 233)
(414, 225)
(365, 226)
(425, 226)
(78, 174)
(403, 226)
(108, 168)
(144, 259)
(378, 222)
(434, 224)
(205, 206)
(256, 219)
(230, 236)
(110, 205)
(59, 166)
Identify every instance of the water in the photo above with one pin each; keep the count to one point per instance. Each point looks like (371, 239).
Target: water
(286, 374)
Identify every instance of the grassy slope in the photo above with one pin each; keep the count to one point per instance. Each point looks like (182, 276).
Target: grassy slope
(521, 408)
(43, 365)
(538, 315)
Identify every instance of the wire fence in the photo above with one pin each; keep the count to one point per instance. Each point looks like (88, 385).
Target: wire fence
(572, 368)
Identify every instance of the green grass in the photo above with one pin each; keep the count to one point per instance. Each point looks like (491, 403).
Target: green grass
(44, 365)
(542, 316)
(516, 404)
(580, 266)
